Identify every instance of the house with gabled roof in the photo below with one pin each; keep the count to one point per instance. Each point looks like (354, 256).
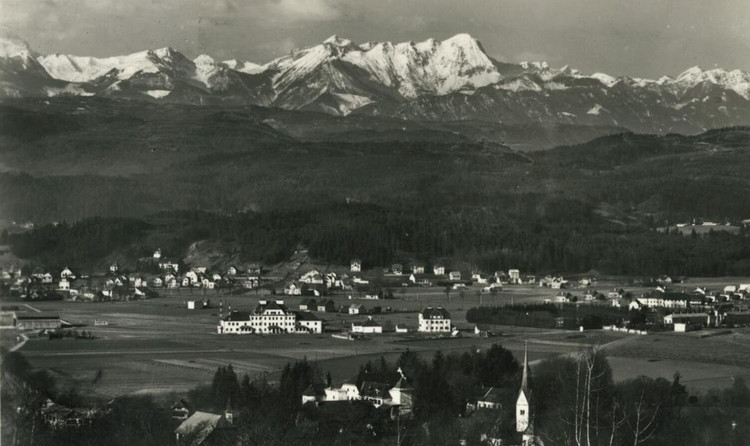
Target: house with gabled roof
(326, 306)
(490, 398)
(368, 327)
(434, 319)
(269, 317)
(205, 428)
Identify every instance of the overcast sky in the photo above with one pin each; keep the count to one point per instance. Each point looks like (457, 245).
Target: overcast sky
(646, 38)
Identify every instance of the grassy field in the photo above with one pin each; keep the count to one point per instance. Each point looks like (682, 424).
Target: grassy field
(159, 346)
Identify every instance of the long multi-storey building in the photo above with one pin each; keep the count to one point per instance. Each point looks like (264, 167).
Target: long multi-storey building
(270, 317)
(434, 320)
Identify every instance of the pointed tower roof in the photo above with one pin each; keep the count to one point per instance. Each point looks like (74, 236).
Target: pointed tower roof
(525, 376)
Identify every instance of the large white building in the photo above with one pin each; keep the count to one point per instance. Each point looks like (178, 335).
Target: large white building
(434, 320)
(270, 317)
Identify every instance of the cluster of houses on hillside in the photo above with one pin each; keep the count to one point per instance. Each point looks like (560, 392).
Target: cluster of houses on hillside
(439, 271)
(58, 416)
(154, 273)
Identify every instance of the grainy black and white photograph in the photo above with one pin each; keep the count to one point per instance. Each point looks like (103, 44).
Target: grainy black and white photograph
(375, 222)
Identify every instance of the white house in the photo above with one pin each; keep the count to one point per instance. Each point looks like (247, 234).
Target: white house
(356, 309)
(169, 266)
(438, 270)
(454, 275)
(355, 266)
(66, 273)
(333, 394)
(292, 289)
(476, 277)
(635, 304)
(514, 276)
(157, 254)
(63, 285)
(434, 320)
(368, 327)
(192, 276)
(400, 328)
(490, 399)
(47, 278)
(417, 268)
(307, 322)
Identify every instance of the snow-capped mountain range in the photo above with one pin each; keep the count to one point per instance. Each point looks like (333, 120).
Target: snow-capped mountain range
(453, 79)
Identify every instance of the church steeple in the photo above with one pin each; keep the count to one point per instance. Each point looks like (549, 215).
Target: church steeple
(523, 402)
(525, 378)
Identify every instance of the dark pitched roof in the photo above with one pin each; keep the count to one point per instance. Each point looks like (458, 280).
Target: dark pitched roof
(402, 384)
(676, 296)
(270, 305)
(370, 323)
(306, 316)
(490, 395)
(436, 313)
(237, 315)
(29, 316)
(374, 390)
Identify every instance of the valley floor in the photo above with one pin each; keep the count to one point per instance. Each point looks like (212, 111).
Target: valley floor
(159, 346)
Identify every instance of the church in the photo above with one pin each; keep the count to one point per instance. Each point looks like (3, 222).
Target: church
(524, 407)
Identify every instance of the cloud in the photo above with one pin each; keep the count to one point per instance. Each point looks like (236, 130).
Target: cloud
(304, 10)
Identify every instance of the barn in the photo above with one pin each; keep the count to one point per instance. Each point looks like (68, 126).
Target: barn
(36, 321)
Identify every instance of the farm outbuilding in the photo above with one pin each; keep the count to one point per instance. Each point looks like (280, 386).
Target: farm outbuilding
(36, 321)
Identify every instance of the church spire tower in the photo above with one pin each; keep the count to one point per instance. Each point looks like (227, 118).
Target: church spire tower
(524, 417)
(525, 378)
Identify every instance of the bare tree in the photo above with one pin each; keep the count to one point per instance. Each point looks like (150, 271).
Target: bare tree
(642, 422)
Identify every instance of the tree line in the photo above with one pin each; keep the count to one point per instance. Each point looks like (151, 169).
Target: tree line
(567, 239)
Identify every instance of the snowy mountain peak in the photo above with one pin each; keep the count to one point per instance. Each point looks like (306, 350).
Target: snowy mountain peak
(690, 74)
(204, 60)
(166, 53)
(12, 46)
(338, 41)
(462, 39)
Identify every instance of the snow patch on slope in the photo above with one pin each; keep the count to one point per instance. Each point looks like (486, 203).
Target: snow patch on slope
(157, 94)
(243, 67)
(596, 109)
